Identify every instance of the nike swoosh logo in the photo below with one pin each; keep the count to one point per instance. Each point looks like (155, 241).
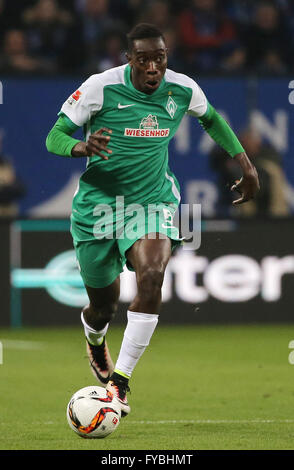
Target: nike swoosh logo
(122, 106)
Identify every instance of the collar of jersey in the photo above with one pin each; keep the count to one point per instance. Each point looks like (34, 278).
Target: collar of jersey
(130, 85)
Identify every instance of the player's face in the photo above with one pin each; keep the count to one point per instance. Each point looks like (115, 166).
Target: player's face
(148, 60)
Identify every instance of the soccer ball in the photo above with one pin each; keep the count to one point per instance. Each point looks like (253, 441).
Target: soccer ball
(93, 412)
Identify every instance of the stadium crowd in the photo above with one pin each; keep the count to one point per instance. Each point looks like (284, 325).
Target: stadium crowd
(203, 36)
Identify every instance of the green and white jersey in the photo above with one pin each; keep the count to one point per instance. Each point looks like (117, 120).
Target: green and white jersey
(142, 126)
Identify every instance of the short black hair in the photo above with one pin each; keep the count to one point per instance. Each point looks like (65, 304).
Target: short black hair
(143, 31)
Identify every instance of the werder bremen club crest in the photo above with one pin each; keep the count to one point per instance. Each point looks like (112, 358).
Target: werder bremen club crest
(171, 107)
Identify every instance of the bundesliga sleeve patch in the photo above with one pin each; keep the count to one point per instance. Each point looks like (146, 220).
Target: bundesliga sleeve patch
(74, 97)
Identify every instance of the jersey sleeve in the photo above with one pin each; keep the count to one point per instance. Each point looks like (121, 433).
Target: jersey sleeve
(59, 140)
(198, 104)
(86, 101)
(220, 131)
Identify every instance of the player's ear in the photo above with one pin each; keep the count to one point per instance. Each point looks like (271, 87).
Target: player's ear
(128, 56)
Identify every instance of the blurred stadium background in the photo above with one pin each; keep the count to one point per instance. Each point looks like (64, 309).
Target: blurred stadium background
(242, 53)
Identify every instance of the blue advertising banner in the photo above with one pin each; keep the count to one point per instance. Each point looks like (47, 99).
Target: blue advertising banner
(29, 108)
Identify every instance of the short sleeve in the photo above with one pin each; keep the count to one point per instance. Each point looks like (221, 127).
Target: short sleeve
(86, 101)
(198, 104)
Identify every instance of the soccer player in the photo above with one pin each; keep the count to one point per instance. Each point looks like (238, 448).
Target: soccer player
(129, 115)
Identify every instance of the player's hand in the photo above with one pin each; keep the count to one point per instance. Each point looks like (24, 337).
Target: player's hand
(247, 187)
(97, 143)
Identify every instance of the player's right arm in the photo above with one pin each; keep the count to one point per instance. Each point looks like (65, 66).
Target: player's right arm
(77, 111)
(60, 141)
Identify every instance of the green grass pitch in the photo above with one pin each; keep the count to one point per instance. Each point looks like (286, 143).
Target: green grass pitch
(196, 387)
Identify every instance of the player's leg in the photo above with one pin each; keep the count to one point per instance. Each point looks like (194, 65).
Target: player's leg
(102, 306)
(100, 266)
(149, 258)
(95, 318)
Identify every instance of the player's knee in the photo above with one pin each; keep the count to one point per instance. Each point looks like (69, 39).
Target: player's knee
(150, 281)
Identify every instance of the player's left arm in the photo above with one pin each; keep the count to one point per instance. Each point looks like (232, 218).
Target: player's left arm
(220, 131)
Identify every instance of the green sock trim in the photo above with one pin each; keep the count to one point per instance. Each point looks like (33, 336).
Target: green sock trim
(119, 372)
(100, 340)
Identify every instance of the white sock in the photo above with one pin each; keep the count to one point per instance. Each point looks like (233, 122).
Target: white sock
(93, 336)
(136, 338)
